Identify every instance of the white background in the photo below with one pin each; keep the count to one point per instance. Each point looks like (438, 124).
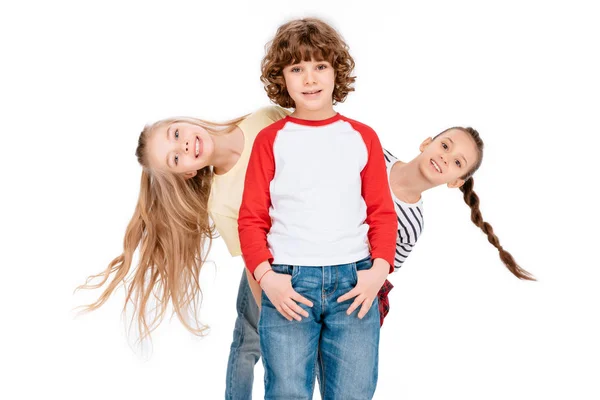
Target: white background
(79, 80)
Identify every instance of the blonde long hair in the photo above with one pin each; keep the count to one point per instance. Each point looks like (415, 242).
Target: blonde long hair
(171, 228)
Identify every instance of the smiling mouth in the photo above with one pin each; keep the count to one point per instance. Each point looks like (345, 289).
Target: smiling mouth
(197, 147)
(436, 166)
(312, 92)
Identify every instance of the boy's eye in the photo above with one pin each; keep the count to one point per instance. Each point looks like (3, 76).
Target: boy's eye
(458, 163)
(176, 159)
(176, 133)
(445, 146)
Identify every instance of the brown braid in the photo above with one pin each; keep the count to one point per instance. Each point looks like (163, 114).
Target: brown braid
(472, 201)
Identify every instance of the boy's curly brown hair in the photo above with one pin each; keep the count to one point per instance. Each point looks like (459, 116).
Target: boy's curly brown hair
(304, 40)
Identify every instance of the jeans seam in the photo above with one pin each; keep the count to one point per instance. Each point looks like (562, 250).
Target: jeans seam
(240, 343)
(323, 380)
(314, 372)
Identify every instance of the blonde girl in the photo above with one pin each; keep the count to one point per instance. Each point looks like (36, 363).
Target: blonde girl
(191, 170)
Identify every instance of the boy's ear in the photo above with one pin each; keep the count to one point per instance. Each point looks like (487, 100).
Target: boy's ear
(425, 143)
(190, 174)
(456, 184)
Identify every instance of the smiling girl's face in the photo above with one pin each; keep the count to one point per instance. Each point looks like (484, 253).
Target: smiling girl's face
(179, 147)
(448, 157)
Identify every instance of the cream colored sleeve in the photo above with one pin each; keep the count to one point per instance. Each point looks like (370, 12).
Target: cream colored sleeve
(276, 113)
(270, 114)
(228, 229)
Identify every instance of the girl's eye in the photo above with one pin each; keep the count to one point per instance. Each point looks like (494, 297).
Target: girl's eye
(322, 66)
(445, 146)
(295, 69)
(458, 163)
(176, 159)
(176, 133)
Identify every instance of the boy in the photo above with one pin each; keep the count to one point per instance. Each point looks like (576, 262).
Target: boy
(316, 209)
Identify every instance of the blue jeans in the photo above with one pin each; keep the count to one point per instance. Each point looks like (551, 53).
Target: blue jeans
(245, 348)
(346, 348)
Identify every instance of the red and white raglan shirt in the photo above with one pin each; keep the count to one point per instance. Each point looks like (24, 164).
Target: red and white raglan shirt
(316, 193)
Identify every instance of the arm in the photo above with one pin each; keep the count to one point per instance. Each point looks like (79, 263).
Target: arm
(381, 216)
(254, 287)
(254, 225)
(381, 219)
(254, 221)
(410, 226)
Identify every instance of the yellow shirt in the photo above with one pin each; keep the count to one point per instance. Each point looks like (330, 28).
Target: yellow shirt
(226, 191)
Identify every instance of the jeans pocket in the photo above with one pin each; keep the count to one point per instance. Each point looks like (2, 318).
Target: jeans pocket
(286, 269)
(295, 273)
(282, 269)
(361, 265)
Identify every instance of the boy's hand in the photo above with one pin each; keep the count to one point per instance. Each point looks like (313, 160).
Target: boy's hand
(278, 288)
(367, 288)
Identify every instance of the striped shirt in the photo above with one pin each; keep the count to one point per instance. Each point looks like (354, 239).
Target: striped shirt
(410, 220)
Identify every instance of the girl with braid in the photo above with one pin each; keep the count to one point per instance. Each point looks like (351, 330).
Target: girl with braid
(450, 158)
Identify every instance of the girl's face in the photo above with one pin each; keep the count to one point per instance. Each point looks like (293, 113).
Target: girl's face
(450, 156)
(180, 147)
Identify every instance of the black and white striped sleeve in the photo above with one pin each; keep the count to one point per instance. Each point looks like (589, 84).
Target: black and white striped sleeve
(410, 226)
(410, 220)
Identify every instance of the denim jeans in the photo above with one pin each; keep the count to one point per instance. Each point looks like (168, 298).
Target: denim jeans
(345, 347)
(245, 348)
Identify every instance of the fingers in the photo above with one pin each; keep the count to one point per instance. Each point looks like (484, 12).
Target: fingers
(355, 304)
(301, 299)
(283, 312)
(296, 308)
(347, 296)
(366, 306)
(288, 310)
(291, 310)
(364, 303)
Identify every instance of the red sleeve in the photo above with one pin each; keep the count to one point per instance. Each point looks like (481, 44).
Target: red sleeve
(381, 216)
(254, 221)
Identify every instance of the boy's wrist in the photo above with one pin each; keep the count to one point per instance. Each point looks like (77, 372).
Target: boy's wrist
(266, 278)
(261, 269)
(381, 267)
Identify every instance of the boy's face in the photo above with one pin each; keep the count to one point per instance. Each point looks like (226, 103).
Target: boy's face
(310, 84)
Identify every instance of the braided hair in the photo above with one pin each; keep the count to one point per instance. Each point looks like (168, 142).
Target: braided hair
(472, 201)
